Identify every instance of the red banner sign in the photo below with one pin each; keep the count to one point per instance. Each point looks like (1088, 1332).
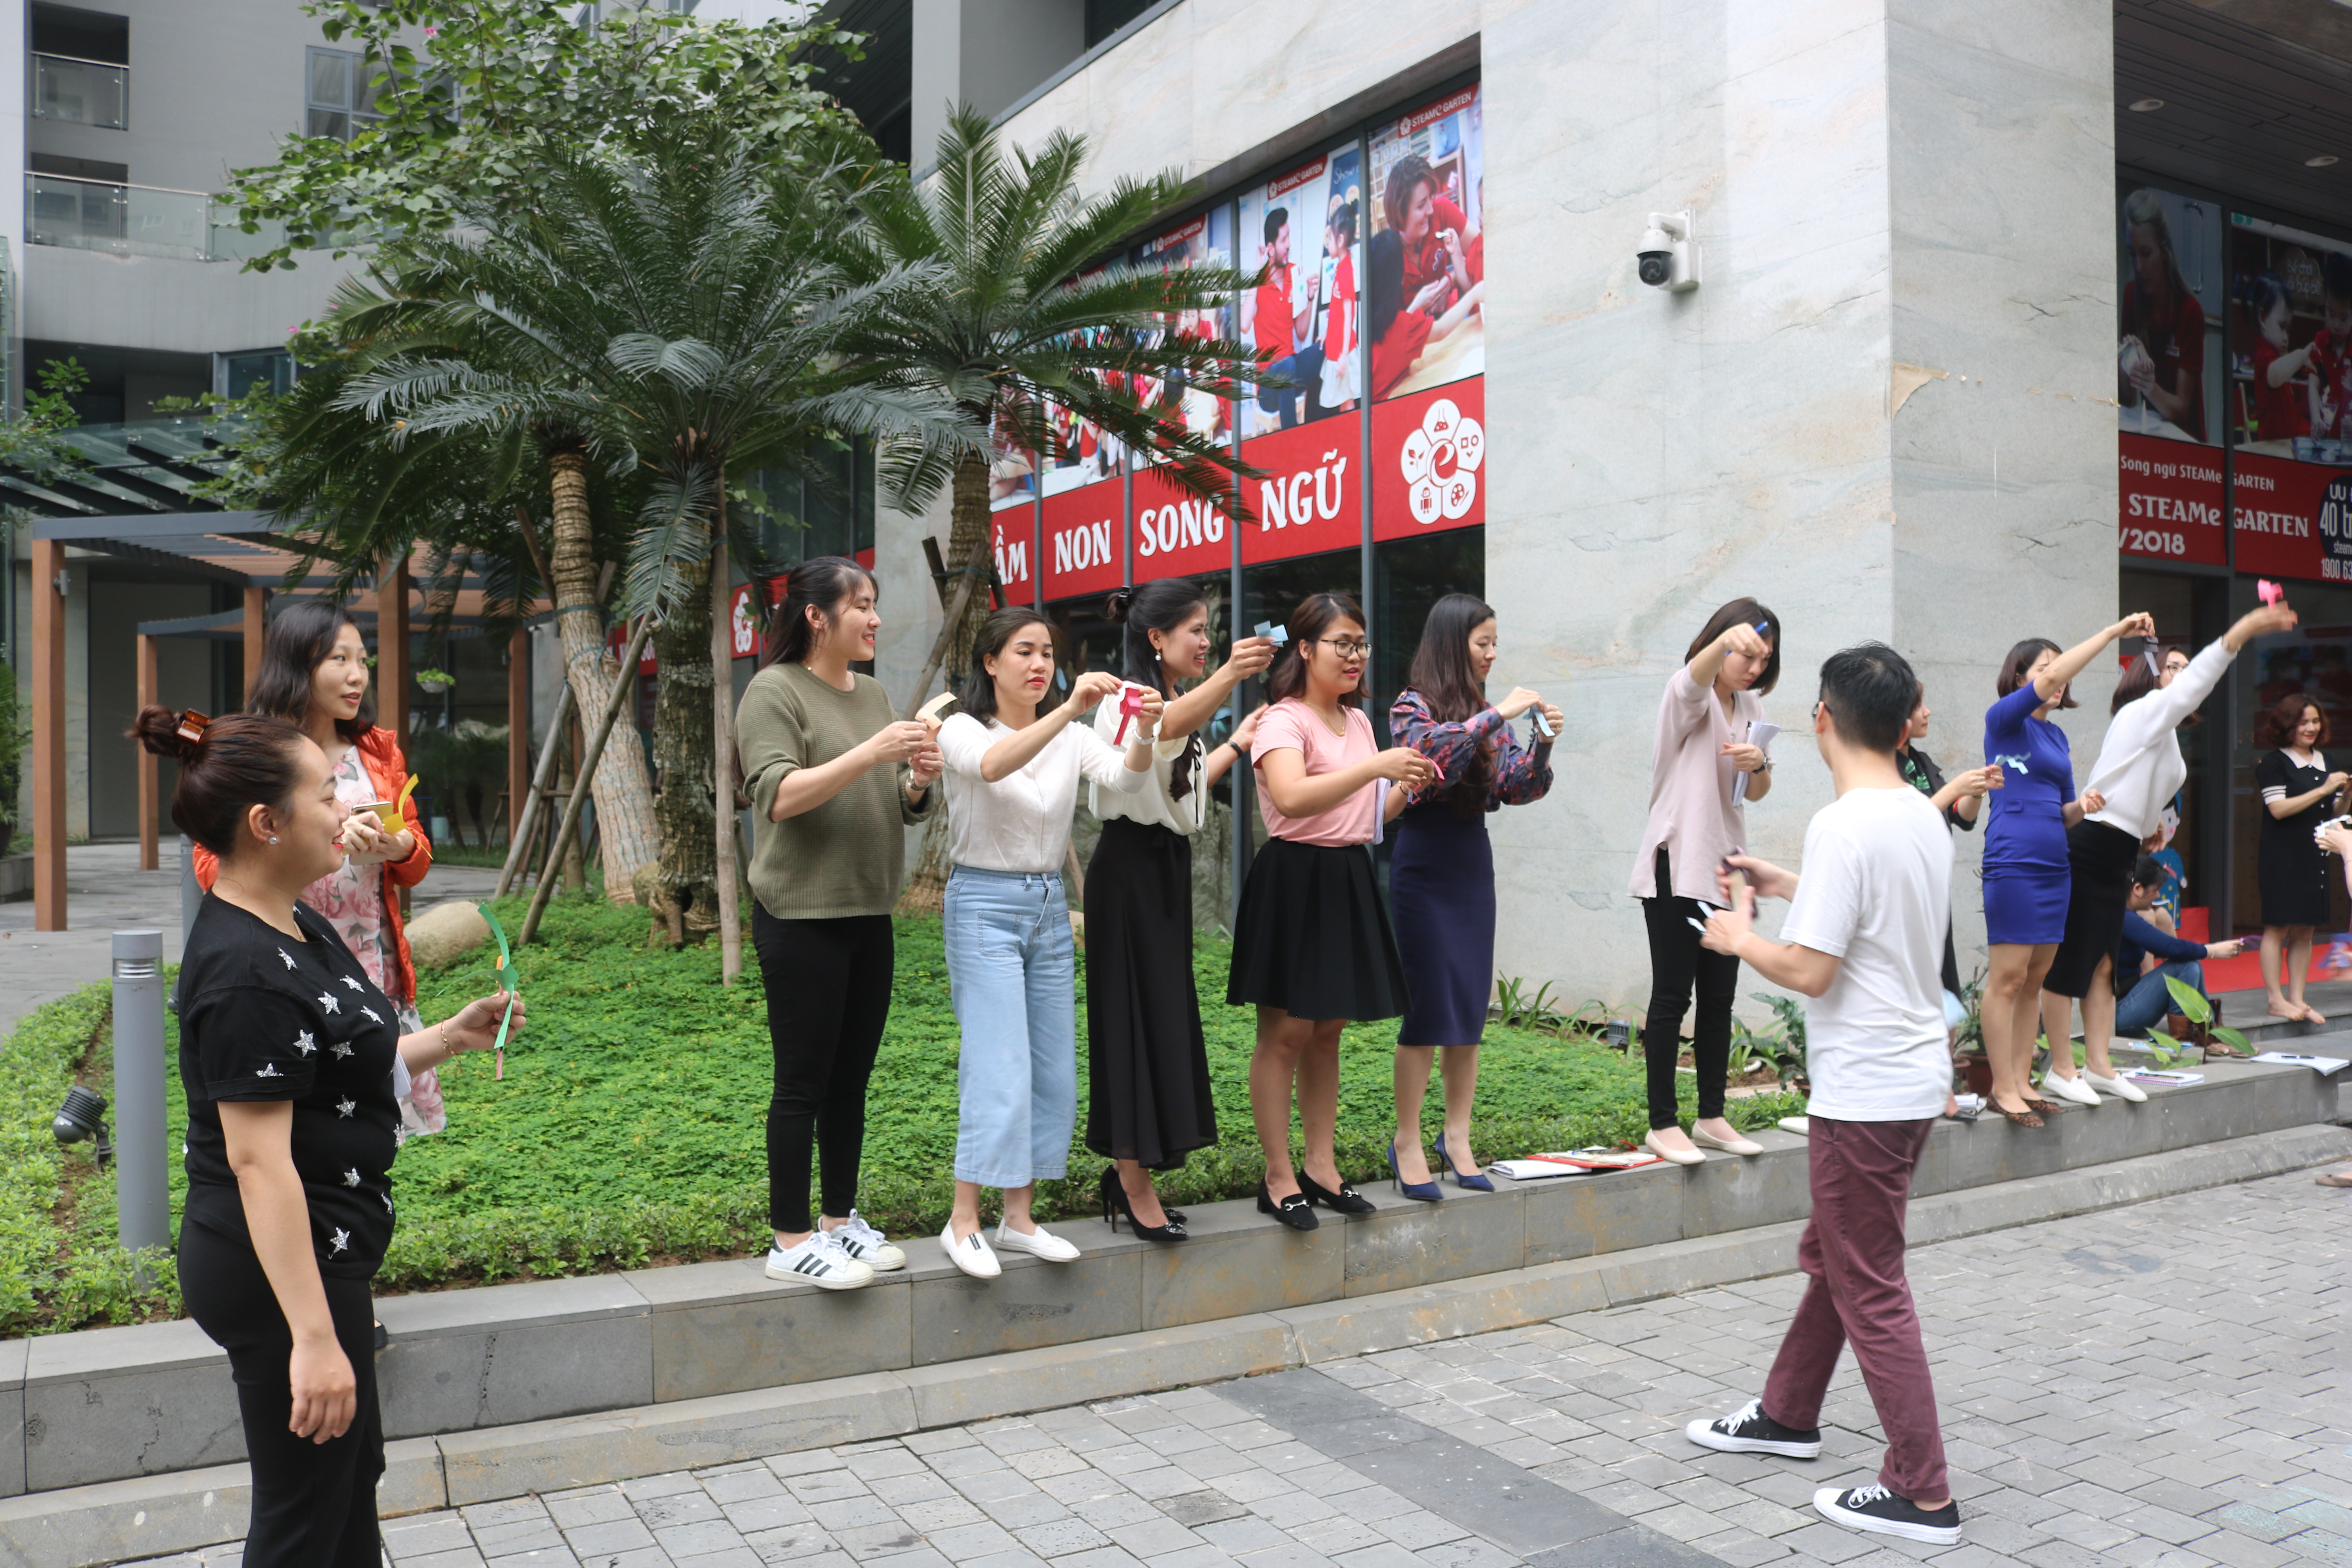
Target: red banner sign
(2293, 520)
(2168, 501)
(1084, 535)
(1011, 535)
(1177, 534)
(1429, 461)
(1311, 498)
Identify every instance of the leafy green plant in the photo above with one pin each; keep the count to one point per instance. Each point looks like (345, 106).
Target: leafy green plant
(1782, 1045)
(15, 734)
(2195, 1006)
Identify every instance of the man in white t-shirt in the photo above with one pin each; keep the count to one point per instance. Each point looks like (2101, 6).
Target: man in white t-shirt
(1864, 940)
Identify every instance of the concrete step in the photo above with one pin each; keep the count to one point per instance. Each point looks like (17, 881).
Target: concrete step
(110, 1521)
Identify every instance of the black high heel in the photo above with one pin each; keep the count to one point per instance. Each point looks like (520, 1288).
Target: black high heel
(1113, 1194)
(1293, 1211)
(1347, 1200)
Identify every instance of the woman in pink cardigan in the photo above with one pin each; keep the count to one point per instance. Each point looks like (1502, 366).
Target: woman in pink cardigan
(1703, 771)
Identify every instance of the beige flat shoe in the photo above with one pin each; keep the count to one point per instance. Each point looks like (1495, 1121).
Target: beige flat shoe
(1679, 1156)
(1731, 1145)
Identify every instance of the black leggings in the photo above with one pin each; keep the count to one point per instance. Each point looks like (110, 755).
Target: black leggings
(828, 984)
(313, 1503)
(1677, 962)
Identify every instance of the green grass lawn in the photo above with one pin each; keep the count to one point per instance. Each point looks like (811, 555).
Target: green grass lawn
(629, 1128)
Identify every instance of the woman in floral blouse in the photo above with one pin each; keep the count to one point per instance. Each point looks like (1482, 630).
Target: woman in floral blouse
(1441, 875)
(314, 676)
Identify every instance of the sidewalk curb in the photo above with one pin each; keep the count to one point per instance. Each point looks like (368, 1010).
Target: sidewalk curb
(113, 1520)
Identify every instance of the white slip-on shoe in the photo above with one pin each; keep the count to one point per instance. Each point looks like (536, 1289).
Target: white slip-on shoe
(1038, 1243)
(2121, 1088)
(1679, 1156)
(972, 1254)
(867, 1245)
(1735, 1144)
(2073, 1088)
(817, 1260)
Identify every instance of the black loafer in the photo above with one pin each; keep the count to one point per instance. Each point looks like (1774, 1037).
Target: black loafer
(382, 1338)
(1347, 1200)
(1293, 1211)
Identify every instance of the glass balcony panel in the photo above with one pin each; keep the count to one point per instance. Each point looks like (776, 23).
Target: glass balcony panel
(81, 92)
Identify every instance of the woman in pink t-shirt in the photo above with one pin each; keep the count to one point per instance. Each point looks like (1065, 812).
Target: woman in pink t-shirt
(1312, 945)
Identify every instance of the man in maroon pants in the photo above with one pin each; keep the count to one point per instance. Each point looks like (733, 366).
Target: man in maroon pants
(1865, 939)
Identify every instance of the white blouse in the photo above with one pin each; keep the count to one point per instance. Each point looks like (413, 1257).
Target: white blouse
(1021, 822)
(1152, 804)
(2140, 767)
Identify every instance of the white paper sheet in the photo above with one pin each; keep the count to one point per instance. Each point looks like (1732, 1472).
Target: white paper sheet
(2323, 1066)
(1759, 733)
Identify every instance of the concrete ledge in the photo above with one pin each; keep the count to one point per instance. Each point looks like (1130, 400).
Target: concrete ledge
(85, 1526)
(89, 1407)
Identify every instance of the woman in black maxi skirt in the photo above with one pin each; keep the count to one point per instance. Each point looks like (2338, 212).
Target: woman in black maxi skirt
(1442, 873)
(1149, 1102)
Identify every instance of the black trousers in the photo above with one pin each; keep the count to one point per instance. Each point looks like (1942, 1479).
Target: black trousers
(313, 1503)
(1678, 963)
(828, 984)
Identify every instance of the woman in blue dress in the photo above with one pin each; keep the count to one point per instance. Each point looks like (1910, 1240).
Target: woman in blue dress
(2026, 874)
(1441, 875)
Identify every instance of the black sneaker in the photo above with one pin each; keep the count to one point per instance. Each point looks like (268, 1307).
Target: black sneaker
(1880, 1511)
(1748, 1430)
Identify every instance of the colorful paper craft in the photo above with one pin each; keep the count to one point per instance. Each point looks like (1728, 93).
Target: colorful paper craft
(2268, 592)
(1131, 703)
(504, 969)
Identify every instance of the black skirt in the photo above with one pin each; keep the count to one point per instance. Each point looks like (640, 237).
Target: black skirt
(1312, 937)
(1148, 1095)
(2099, 859)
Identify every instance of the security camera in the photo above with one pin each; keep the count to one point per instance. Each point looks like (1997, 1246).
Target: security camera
(1667, 258)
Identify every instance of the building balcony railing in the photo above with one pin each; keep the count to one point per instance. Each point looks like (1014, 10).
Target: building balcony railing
(81, 92)
(137, 220)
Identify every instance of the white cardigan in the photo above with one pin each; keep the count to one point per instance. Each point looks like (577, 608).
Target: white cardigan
(2140, 768)
(1021, 822)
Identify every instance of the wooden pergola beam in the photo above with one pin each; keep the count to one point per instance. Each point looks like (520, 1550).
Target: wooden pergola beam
(256, 627)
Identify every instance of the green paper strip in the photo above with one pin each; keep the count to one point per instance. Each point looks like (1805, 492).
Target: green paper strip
(506, 984)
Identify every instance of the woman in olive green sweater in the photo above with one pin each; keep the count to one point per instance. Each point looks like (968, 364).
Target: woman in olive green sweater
(835, 778)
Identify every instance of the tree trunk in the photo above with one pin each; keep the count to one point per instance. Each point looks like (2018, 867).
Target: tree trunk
(721, 754)
(622, 790)
(682, 752)
(968, 524)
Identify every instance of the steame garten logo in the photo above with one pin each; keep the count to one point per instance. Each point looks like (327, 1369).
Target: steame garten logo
(1441, 463)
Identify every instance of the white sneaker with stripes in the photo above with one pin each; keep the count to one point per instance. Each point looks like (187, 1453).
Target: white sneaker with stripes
(818, 1260)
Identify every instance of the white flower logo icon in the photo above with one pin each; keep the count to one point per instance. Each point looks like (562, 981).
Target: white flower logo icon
(1441, 463)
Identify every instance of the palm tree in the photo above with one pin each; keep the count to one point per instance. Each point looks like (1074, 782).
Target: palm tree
(1025, 317)
(359, 489)
(678, 306)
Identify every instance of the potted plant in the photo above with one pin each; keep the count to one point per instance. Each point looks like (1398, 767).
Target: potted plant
(437, 681)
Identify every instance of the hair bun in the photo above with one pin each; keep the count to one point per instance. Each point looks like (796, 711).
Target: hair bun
(159, 730)
(1114, 606)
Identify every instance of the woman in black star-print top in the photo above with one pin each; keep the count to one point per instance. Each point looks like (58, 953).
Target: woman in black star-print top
(293, 1070)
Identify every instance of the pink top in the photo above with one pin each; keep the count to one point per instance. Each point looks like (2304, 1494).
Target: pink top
(1692, 811)
(1291, 725)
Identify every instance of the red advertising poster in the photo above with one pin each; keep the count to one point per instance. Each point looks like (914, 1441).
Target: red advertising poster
(1429, 461)
(1425, 265)
(2169, 502)
(617, 642)
(1084, 535)
(2293, 520)
(1311, 498)
(1176, 533)
(1010, 535)
(744, 622)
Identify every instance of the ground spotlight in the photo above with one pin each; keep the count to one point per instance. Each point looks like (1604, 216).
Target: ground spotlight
(83, 1119)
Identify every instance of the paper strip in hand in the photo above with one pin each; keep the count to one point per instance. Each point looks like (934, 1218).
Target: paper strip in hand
(505, 970)
(1131, 703)
(2268, 592)
(930, 712)
(1271, 633)
(1543, 725)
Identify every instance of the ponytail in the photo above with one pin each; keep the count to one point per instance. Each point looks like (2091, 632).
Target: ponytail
(824, 581)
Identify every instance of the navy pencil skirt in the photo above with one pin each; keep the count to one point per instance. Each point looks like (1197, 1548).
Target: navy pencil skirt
(1442, 887)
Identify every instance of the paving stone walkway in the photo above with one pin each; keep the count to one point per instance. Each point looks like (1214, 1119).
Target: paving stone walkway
(2156, 1387)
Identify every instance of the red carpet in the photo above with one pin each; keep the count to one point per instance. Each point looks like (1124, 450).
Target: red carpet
(2244, 972)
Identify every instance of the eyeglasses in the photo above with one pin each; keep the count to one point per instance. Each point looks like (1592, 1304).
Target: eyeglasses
(1346, 648)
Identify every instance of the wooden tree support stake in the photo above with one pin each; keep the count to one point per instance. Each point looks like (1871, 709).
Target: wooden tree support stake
(624, 690)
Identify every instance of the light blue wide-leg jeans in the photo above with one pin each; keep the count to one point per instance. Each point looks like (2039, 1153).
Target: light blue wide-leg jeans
(1011, 972)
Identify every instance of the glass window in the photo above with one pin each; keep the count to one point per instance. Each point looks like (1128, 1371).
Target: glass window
(2313, 661)
(1409, 575)
(240, 373)
(342, 94)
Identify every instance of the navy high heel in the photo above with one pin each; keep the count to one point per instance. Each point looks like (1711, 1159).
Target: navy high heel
(1420, 1192)
(1477, 1181)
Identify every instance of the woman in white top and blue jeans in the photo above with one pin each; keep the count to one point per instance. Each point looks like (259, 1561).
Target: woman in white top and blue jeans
(1012, 775)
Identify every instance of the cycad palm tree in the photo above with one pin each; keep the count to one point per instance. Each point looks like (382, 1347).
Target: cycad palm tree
(1026, 315)
(678, 307)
